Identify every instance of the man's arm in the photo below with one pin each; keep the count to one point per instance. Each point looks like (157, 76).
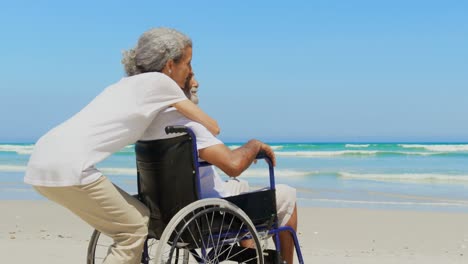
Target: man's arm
(234, 162)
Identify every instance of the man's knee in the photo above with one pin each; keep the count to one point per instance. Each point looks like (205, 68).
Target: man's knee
(285, 202)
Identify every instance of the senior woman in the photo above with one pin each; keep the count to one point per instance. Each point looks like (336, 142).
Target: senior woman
(62, 166)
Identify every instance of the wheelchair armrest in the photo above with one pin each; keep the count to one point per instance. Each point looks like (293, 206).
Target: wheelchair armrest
(204, 164)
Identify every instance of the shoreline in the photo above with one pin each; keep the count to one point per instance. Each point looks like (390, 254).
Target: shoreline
(51, 234)
(312, 193)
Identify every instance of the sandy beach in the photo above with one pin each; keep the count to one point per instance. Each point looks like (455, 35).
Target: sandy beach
(43, 232)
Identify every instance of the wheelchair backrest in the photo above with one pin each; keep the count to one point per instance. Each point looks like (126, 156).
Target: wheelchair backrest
(166, 181)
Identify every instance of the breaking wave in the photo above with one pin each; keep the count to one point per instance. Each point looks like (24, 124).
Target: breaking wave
(408, 177)
(438, 147)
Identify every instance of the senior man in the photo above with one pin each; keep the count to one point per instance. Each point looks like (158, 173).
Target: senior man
(231, 162)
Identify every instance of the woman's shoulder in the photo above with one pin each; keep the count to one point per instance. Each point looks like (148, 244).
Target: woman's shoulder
(149, 82)
(148, 76)
(155, 79)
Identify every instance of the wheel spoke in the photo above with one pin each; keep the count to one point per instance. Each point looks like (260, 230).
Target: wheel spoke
(229, 228)
(209, 225)
(191, 234)
(236, 237)
(219, 234)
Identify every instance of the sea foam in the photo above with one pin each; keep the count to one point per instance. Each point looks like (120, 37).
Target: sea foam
(108, 171)
(442, 203)
(12, 168)
(279, 173)
(326, 153)
(338, 153)
(275, 147)
(357, 145)
(438, 147)
(20, 149)
(408, 177)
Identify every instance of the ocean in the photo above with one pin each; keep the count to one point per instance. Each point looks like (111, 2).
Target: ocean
(400, 176)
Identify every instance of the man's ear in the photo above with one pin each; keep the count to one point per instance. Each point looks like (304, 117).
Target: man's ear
(168, 68)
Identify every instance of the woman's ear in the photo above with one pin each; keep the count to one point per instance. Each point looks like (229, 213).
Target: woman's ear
(168, 68)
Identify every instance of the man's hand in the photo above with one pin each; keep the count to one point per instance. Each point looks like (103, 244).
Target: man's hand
(268, 151)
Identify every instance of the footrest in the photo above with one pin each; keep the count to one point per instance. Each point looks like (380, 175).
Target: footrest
(271, 256)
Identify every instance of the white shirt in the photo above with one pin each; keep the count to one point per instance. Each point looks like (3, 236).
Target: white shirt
(117, 117)
(210, 182)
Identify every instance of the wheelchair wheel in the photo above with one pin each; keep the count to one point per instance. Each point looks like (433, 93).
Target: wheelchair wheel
(99, 245)
(212, 231)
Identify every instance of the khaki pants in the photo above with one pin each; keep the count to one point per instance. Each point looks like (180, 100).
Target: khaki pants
(110, 210)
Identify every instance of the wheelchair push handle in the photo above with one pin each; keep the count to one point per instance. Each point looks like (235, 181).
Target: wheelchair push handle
(261, 155)
(176, 129)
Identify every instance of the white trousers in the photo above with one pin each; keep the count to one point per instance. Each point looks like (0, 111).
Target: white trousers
(285, 197)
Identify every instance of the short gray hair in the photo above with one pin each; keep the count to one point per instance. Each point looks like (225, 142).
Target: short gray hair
(154, 49)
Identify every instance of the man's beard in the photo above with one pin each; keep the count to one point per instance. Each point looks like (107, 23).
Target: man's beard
(191, 93)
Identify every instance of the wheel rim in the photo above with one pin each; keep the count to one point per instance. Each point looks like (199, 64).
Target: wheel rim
(212, 234)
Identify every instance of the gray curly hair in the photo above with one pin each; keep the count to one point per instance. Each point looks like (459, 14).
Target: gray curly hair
(154, 48)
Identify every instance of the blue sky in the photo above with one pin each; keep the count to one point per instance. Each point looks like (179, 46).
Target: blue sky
(273, 70)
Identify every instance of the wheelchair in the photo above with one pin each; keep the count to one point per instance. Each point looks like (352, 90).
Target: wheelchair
(186, 229)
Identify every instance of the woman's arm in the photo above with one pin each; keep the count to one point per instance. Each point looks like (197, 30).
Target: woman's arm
(192, 111)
